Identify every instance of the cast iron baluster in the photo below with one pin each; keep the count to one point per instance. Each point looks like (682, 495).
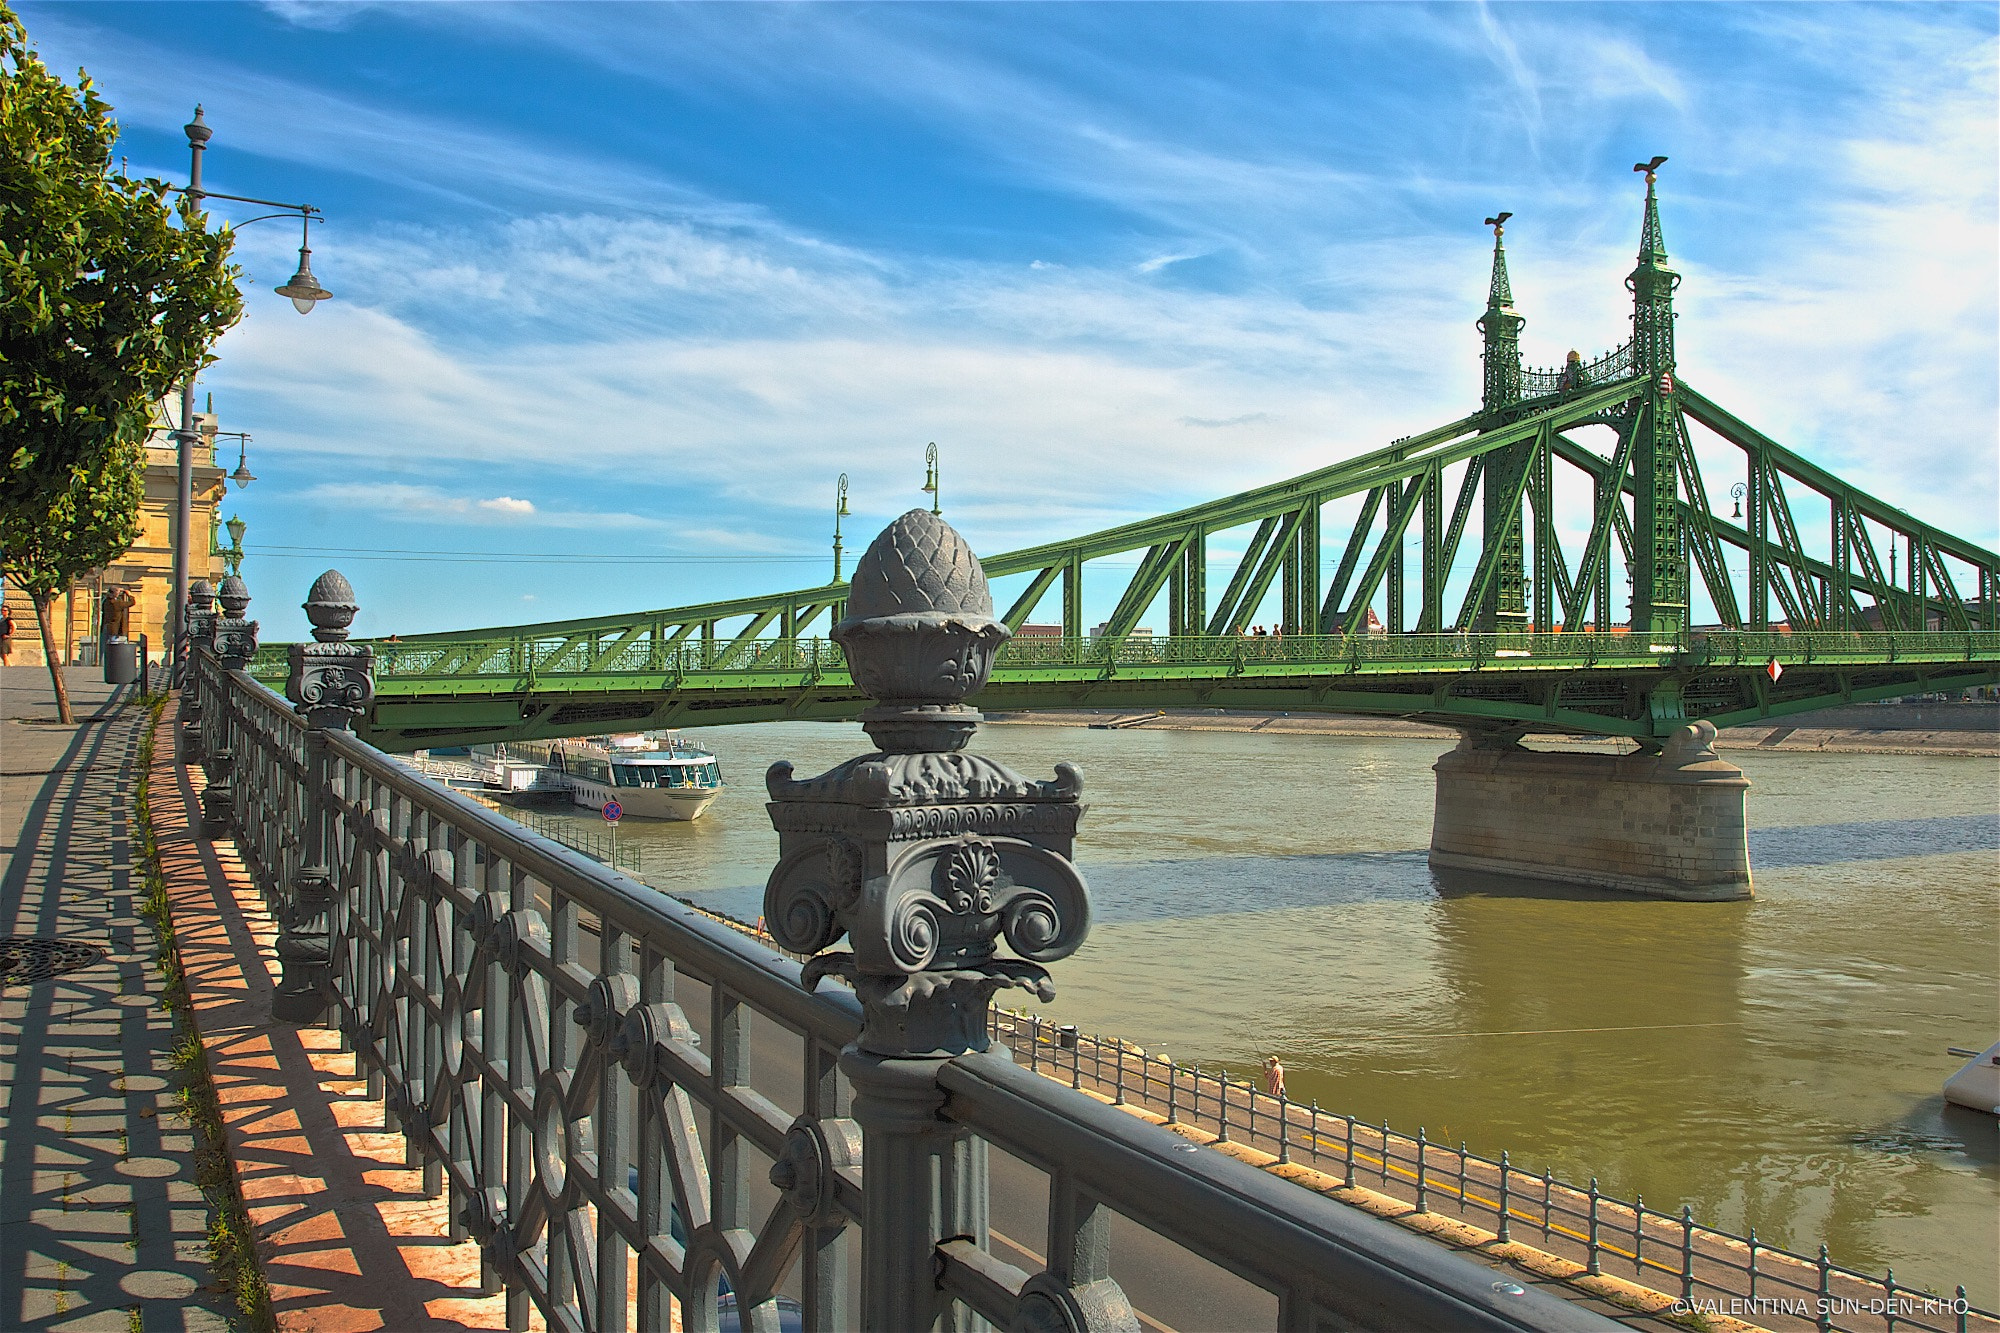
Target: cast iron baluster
(1284, 1128)
(1638, 1233)
(1423, 1205)
(1506, 1209)
(1173, 1087)
(1594, 1265)
(1687, 1260)
(1889, 1298)
(1222, 1102)
(1753, 1264)
(1546, 1201)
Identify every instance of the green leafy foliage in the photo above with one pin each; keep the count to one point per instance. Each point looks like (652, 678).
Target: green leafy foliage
(105, 303)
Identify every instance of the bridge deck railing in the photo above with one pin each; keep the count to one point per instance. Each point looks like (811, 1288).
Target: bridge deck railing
(555, 659)
(634, 1110)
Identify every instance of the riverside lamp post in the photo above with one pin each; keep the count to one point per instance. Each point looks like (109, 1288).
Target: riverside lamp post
(304, 291)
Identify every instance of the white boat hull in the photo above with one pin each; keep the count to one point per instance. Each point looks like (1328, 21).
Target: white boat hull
(1977, 1086)
(685, 803)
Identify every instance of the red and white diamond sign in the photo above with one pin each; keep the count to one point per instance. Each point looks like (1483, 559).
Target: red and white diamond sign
(1773, 670)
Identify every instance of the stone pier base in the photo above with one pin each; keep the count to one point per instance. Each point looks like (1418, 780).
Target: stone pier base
(1669, 825)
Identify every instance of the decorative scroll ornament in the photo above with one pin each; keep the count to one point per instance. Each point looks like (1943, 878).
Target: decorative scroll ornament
(332, 682)
(927, 859)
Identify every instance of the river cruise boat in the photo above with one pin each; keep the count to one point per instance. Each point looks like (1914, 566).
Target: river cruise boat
(655, 775)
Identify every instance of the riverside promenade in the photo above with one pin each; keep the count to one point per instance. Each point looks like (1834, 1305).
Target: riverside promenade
(102, 1222)
(106, 1221)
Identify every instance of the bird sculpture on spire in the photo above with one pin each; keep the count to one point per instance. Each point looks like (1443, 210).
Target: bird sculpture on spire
(1652, 169)
(1499, 224)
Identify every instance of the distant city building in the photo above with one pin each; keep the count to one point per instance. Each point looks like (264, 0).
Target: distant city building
(144, 572)
(1142, 632)
(1039, 632)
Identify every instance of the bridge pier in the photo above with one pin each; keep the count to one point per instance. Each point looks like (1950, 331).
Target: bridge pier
(1667, 825)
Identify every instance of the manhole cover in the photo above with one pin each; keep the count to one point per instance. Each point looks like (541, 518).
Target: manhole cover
(26, 958)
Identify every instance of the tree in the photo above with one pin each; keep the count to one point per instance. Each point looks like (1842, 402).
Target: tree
(105, 305)
(87, 525)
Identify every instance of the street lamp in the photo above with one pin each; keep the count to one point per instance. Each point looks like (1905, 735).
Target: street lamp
(1736, 494)
(304, 291)
(233, 557)
(931, 475)
(304, 288)
(839, 512)
(242, 476)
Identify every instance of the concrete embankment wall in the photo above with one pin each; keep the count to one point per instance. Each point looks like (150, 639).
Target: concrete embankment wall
(1971, 729)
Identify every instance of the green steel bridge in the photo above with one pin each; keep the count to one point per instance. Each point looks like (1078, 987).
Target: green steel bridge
(1820, 594)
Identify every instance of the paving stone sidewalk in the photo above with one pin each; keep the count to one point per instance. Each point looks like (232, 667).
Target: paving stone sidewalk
(102, 1225)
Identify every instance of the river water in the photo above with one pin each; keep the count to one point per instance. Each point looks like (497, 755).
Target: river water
(1773, 1063)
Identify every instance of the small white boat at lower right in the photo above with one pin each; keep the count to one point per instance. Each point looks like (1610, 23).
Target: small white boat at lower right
(1977, 1086)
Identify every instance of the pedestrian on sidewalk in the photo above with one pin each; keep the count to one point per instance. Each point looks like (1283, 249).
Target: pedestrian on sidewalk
(1274, 1076)
(6, 634)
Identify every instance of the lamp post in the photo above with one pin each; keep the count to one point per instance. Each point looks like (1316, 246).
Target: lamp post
(305, 292)
(931, 476)
(839, 512)
(233, 557)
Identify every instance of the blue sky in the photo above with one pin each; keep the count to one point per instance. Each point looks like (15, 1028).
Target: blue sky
(637, 281)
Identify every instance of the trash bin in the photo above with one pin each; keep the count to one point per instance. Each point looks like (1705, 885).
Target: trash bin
(121, 662)
(1066, 1036)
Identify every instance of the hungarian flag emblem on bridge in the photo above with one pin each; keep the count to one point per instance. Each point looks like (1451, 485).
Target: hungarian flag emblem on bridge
(1666, 381)
(1773, 670)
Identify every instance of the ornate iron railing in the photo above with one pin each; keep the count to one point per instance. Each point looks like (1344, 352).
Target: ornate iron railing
(646, 1120)
(1613, 365)
(554, 661)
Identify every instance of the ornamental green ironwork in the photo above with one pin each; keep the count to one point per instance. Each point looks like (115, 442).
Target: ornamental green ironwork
(1498, 628)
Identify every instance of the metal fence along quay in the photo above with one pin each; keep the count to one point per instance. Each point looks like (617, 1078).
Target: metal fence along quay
(647, 1119)
(1703, 1267)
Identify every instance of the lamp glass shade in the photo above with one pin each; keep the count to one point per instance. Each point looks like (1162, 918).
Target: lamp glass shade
(236, 527)
(242, 476)
(304, 289)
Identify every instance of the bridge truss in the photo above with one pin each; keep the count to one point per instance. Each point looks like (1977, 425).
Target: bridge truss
(1812, 591)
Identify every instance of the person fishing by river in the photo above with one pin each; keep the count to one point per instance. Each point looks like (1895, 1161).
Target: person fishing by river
(1274, 1076)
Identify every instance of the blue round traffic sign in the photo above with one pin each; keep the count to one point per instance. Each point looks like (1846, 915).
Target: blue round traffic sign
(613, 812)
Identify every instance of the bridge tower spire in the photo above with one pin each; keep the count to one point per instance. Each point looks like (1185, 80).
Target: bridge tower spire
(1659, 556)
(1501, 327)
(1506, 604)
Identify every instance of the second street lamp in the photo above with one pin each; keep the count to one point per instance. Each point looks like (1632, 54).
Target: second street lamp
(305, 292)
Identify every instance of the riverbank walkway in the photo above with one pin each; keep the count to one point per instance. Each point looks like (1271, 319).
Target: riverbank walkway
(102, 1222)
(106, 1226)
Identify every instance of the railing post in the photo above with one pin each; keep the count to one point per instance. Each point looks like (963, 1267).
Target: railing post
(1222, 1102)
(1423, 1205)
(1591, 1251)
(197, 610)
(331, 685)
(1506, 1208)
(1173, 1112)
(1825, 1291)
(1687, 1260)
(233, 642)
(1284, 1128)
(926, 859)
